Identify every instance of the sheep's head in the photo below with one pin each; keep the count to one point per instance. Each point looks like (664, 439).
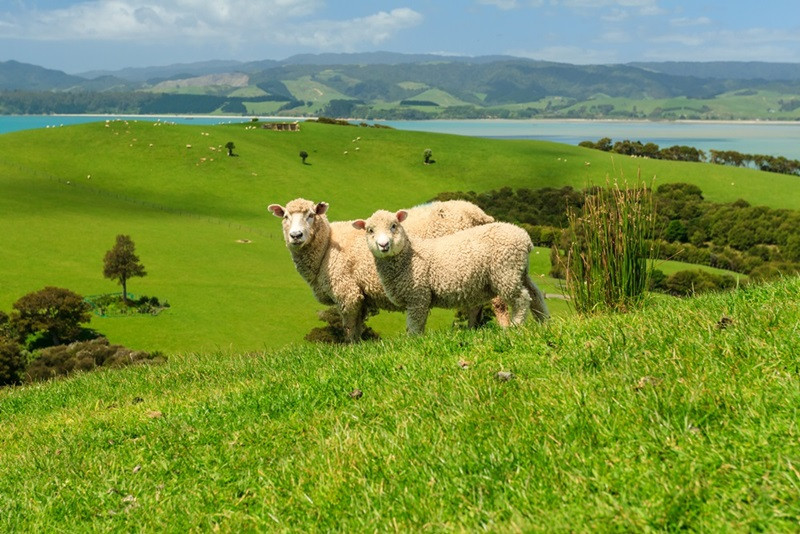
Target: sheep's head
(301, 218)
(385, 234)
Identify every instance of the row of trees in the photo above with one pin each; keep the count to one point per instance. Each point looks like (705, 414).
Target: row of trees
(778, 164)
(754, 240)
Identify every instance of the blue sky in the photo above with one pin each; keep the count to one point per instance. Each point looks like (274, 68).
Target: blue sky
(81, 35)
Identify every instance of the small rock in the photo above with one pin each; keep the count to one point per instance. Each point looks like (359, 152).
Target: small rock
(137, 468)
(464, 364)
(356, 394)
(724, 322)
(504, 376)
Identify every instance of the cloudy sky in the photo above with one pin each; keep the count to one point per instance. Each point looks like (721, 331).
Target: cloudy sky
(81, 35)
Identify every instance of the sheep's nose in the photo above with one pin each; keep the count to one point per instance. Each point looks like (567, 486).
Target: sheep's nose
(296, 234)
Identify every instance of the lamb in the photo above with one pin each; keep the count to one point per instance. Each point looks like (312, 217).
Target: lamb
(333, 258)
(462, 270)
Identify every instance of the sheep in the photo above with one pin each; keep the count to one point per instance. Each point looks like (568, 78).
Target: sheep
(462, 270)
(333, 258)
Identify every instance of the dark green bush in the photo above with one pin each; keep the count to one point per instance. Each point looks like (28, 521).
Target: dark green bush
(333, 332)
(12, 362)
(62, 360)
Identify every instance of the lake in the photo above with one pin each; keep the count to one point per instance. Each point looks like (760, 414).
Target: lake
(749, 137)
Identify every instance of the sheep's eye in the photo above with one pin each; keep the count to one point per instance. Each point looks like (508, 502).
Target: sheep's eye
(370, 230)
(286, 217)
(394, 227)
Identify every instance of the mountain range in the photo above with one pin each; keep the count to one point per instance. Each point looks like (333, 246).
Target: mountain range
(388, 85)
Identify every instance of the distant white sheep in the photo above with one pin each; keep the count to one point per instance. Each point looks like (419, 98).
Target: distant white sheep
(333, 258)
(463, 270)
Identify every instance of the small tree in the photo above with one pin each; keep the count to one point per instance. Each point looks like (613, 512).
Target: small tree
(121, 263)
(230, 146)
(303, 156)
(52, 311)
(427, 156)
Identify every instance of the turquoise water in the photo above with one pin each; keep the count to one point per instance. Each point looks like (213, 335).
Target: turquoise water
(13, 123)
(773, 138)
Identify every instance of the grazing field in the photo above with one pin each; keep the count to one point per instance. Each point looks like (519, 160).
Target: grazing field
(683, 415)
(201, 228)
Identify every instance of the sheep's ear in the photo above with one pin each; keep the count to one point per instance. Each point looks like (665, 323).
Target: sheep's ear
(321, 208)
(360, 224)
(401, 215)
(277, 210)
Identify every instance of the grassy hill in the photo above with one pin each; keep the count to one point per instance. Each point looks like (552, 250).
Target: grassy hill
(679, 416)
(201, 228)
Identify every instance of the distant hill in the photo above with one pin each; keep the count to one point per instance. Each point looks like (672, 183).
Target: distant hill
(725, 70)
(15, 75)
(184, 70)
(387, 85)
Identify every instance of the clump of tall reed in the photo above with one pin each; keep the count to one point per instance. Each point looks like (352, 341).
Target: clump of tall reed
(610, 241)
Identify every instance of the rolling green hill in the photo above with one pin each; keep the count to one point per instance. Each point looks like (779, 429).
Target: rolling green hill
(201, 228)
(376, 86)
(681, 416)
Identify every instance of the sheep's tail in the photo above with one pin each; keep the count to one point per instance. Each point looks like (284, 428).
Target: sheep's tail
(538, 305)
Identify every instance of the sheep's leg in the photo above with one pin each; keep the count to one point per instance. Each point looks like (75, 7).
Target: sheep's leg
(538, 305)
(474, 316)
(520, 306)
(501, 312)
(353, 322)
(416, 317)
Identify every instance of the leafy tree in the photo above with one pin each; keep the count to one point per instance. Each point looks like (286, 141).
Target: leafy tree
(676, 231)
(303, 156)
(427, 156)
(53, 311)
(230, 146)
(122, 263)
(12, 363)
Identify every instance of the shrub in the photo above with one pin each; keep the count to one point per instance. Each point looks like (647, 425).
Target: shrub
(53, 312)
(12, 362)
(334, 331)
(62, 360)
(687, 283)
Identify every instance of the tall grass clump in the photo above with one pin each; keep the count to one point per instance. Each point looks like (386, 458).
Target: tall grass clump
(610, 242)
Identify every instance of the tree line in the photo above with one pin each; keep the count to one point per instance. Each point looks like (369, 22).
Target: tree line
(733, 158)
(757, 241)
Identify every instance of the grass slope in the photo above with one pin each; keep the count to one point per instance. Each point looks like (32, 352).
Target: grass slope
(67, 192)
(669, 418)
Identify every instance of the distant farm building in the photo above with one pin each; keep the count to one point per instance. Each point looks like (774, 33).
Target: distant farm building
(282, 126)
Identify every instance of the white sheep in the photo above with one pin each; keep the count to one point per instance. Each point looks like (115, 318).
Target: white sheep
(333, 258)
(464, 270)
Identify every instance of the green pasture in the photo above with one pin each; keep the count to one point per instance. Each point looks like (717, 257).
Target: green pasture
(681, 416)
(201, 228)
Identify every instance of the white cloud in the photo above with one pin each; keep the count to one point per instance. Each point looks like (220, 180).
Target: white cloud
(686, 22)
(755, 44)
(230, 22)
(505, 5)
(122, 20)
(620, 8)
(347, 34)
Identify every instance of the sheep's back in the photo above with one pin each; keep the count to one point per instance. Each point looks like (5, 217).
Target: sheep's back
(444, 218)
